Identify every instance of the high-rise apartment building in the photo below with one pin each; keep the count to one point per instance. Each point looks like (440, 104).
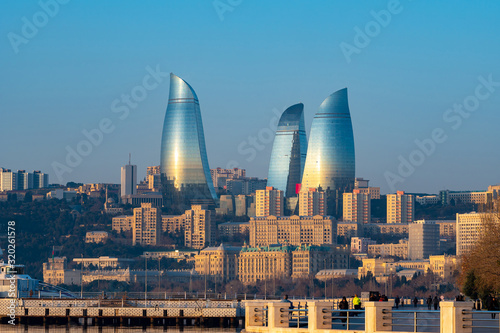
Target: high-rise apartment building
(330, 161)
(128, 180)
(40, 179)
(357, 207)
(7, 180)
(312, 202)
(362, 185)
(400, 208)
(293, 230)
(269, 202)
(288, 156)
(146, 225)
(24, 180)
(199, 227)
(469, 229)
(423, 239)
(184, 165)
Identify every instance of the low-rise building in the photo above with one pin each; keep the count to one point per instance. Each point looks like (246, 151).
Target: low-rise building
(360, 244)
(103, 262)
(55, 271)
(229, 229)
(220, 261)
(394, 250)
(96, 236)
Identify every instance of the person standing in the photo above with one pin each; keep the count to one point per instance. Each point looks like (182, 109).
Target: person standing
(356, 302)
(429, 302)
(396, 302)
(436, 302)
(343, 305)
(415, 301)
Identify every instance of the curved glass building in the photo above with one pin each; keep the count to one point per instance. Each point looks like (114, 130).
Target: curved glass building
(288, 156)
(184, 166)
(330, 162)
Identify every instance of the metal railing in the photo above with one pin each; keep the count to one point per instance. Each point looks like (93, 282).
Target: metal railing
(478, 319)
(261, 316)
(404, 320)
(297, 317)
(350, 319)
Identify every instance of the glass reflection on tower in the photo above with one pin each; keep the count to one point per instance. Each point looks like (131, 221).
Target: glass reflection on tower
(330, 162)
(288, 156)
(184, 166)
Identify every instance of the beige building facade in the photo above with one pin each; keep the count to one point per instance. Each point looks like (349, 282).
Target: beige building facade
(292, 230)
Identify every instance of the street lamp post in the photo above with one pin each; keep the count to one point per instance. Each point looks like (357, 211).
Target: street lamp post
(145, 277)
(81, 280)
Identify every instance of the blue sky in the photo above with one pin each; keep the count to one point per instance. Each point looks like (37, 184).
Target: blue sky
(246, 59)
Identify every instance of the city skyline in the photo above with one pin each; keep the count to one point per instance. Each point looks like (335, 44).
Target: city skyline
(405, 80)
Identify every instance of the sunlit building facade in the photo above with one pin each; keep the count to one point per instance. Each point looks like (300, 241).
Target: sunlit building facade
(288, 156)
(330, 161)
(184, 166)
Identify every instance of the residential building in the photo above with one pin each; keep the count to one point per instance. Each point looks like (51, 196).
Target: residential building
(269, 202)
(221, 176)
(122, 223)
(292, 230)
(230, 229)
(146, 226)
(349, 229)
(360, 244)
(423, 239)
(357, 207)
(312, 202)
(7, 180)
(40, 179)
(389, 250)
(308, 260)
(362, 185)
(469, 229)
(400, 208)
(199, 227)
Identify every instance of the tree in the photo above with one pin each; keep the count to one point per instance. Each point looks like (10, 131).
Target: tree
(481, 266)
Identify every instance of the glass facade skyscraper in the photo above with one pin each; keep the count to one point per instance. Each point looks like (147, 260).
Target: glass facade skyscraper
(288, 156)
(184, 166)
(330, 162)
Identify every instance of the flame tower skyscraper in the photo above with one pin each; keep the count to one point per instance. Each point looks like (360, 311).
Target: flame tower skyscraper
(330, 162)
(184, 166)
(288, 156)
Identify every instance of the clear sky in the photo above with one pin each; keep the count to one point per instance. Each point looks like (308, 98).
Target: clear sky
(65, 70)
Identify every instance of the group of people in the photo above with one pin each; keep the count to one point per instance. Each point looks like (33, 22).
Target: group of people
(432, 301)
